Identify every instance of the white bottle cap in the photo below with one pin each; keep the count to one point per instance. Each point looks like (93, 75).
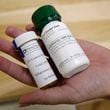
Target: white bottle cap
(23, 38)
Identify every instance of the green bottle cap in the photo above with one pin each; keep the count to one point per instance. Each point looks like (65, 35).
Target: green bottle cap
(43, 16)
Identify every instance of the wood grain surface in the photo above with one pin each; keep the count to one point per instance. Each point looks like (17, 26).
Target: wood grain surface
(87, 19)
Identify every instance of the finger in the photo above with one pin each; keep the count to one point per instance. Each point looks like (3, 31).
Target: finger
(6, 47)
(51, 96)
(30, 27)
(16, 71)
(13, 31)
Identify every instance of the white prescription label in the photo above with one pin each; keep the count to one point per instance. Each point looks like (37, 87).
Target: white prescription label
(37, 63)
(61, 44)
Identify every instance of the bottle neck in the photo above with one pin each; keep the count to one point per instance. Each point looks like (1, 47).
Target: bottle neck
(51, 26)
(44, 23)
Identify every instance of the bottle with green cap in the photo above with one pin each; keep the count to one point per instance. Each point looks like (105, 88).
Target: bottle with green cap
(63, 48)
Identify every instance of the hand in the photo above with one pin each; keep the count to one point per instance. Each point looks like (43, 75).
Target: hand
(92, 83)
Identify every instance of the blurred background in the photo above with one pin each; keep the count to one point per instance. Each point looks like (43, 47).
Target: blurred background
(87, 19)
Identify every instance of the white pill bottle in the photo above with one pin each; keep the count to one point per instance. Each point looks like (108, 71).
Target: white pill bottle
(65, 51)
(35, 59)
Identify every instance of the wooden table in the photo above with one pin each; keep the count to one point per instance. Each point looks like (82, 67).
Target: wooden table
(87, 19)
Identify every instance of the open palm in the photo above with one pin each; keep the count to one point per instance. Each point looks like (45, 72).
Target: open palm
(89, 84)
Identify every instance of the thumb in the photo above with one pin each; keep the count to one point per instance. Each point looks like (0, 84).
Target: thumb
(49, 96)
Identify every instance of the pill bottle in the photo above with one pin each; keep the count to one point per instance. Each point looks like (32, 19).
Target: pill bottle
(36, 61)
(65, 51)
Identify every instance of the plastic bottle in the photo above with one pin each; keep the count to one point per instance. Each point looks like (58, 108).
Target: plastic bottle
(65, 51)
(35, 59)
